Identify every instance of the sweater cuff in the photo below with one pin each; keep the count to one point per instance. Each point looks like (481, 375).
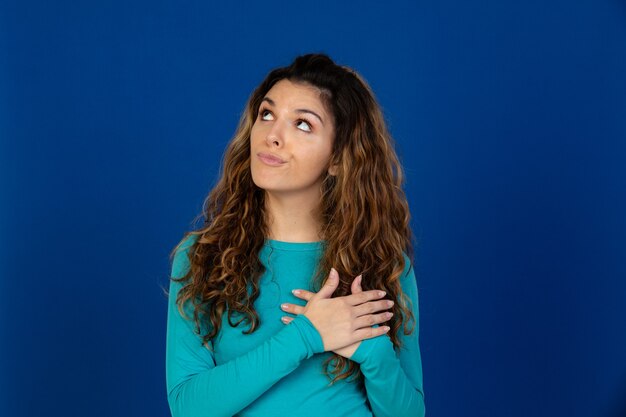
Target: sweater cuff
(310, 335)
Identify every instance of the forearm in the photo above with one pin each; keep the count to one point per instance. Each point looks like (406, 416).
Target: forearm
(391, 393)
(228, 388)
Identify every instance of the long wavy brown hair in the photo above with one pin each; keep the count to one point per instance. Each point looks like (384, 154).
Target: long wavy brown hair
(363, 210)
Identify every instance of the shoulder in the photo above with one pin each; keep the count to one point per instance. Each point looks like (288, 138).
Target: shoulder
(408, 267)
(180, 260)
(187, 241)
(408, 282)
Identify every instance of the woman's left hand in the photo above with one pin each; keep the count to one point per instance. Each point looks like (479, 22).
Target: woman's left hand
(346, 351)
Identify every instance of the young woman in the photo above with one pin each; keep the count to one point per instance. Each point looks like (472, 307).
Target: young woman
(310, 200)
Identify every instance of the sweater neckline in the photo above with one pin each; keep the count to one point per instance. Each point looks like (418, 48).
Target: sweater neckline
(294, 246)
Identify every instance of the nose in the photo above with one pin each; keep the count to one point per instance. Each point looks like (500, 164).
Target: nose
(274, 136)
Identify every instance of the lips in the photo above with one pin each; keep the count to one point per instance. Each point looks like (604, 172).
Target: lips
(270, 158)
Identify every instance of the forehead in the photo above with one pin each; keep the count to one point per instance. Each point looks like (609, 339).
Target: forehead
(288, 93)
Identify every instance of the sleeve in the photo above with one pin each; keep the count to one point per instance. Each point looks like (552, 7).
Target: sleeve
(197, 386)
(393, 381)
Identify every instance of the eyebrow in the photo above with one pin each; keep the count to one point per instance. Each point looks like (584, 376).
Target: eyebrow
(269, 100)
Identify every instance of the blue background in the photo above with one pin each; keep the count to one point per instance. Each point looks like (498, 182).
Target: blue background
(509, 117)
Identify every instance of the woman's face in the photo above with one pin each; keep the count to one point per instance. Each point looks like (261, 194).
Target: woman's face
(291, 141)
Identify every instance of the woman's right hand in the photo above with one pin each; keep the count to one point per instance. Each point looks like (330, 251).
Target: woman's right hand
(342, 321)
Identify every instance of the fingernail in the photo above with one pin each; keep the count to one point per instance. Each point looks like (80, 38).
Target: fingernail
(333, 273)
(359, 278)
(295, 292)
(381, 293)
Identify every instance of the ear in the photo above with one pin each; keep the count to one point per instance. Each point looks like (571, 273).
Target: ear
(332, 170)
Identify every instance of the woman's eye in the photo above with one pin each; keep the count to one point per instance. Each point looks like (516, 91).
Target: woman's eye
(308, 126)
(262, 113)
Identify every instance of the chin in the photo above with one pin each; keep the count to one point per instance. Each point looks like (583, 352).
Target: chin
(264, 184)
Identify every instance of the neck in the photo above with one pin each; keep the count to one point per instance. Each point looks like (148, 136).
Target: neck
(292, 218)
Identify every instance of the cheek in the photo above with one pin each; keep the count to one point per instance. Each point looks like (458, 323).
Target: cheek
(316, 161)
(254, 133)
(257, 132)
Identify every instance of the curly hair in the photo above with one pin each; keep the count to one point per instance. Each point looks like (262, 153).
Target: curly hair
(364, 212)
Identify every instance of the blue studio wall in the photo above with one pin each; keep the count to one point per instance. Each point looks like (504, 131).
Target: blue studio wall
(509, 117)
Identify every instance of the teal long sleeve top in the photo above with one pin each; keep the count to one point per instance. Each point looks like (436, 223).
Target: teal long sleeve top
(277, 370)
